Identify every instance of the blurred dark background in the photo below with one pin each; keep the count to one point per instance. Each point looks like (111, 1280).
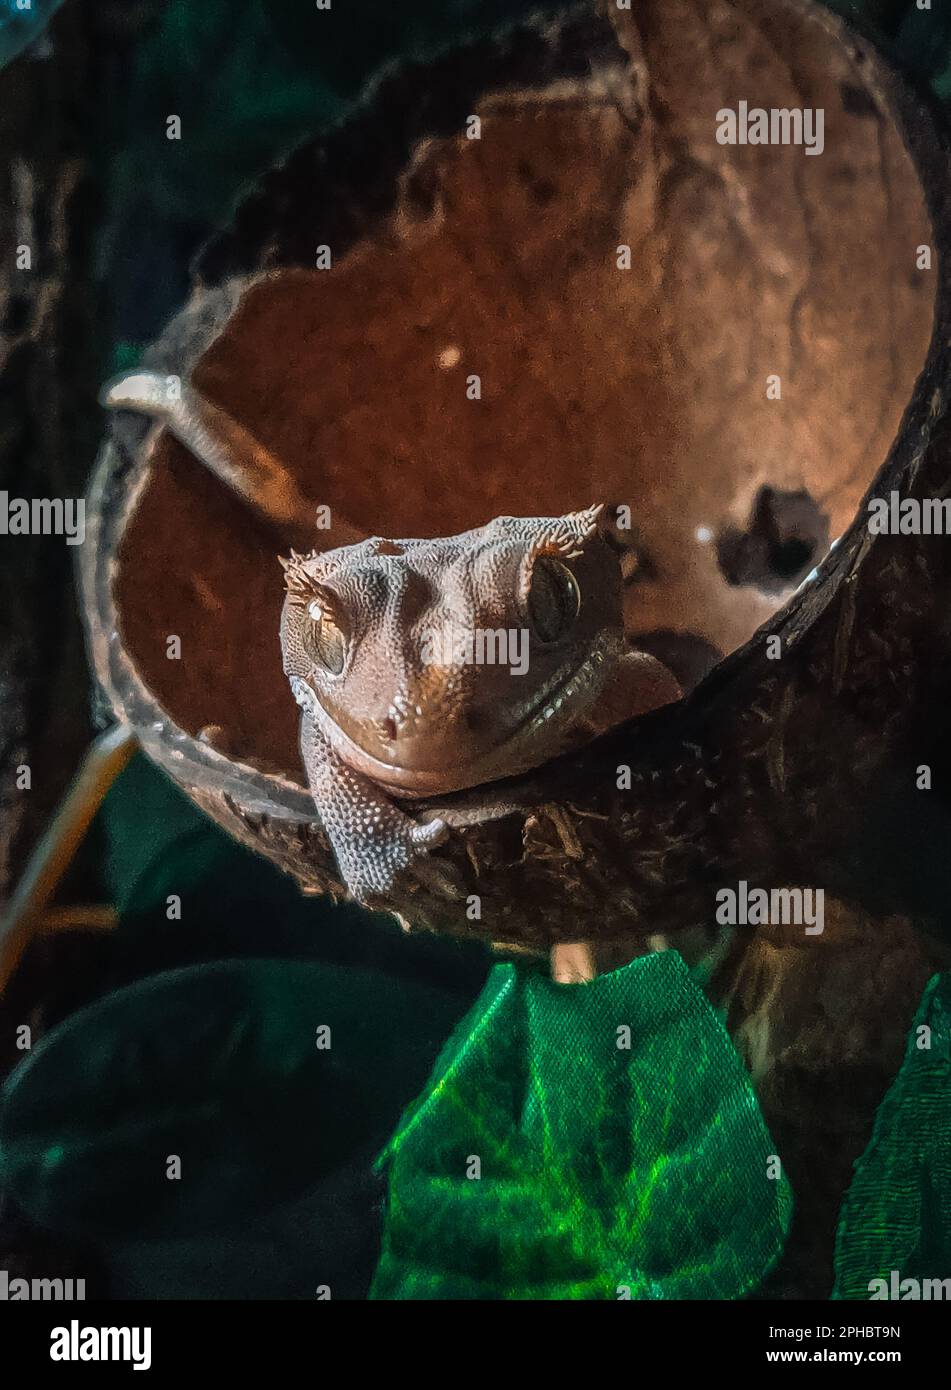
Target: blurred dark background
(114, 212)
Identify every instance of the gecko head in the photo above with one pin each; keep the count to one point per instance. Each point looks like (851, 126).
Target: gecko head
(433, 665)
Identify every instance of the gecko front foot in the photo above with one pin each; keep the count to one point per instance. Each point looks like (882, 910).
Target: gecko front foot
(373, 840)
(373, 853)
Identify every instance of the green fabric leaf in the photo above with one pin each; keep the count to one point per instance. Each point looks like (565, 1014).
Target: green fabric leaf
(602, 1169)
(219, 1065)
(897, 1213)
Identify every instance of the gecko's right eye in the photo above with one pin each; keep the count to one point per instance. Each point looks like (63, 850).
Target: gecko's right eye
(324, 638)
(553, 598)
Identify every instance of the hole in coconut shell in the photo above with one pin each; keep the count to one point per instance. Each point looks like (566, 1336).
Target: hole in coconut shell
(786, 537)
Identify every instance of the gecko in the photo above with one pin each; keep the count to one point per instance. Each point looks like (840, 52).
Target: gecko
(381, 644)
(429, 666)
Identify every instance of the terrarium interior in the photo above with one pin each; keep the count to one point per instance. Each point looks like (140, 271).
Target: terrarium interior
(587, 303)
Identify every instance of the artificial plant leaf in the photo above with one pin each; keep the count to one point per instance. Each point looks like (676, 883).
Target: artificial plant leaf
(897, 1213)
(217, 67)
(324, 1238)
(159, 849)
(187, 892)
(219, 1065)
(362, 38)
(251, 78)
(144, 821)
(549, 1159)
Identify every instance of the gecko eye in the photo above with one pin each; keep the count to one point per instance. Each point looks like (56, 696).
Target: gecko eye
(324, 639)
(554, 599)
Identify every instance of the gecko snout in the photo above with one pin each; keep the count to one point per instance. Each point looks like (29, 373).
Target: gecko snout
(416, 729)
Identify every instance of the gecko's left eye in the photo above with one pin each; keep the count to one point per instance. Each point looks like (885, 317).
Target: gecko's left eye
(324, 638)
(554, 599)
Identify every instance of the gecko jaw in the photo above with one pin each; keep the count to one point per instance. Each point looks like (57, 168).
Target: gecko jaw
(533, 742)
(579, 684)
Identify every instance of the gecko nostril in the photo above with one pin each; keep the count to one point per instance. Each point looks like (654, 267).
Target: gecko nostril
(389, 728)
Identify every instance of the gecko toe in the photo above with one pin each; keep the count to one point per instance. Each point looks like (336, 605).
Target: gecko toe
(429, 833)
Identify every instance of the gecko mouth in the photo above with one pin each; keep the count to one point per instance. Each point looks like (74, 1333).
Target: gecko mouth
(554, 710)
(531, 742)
